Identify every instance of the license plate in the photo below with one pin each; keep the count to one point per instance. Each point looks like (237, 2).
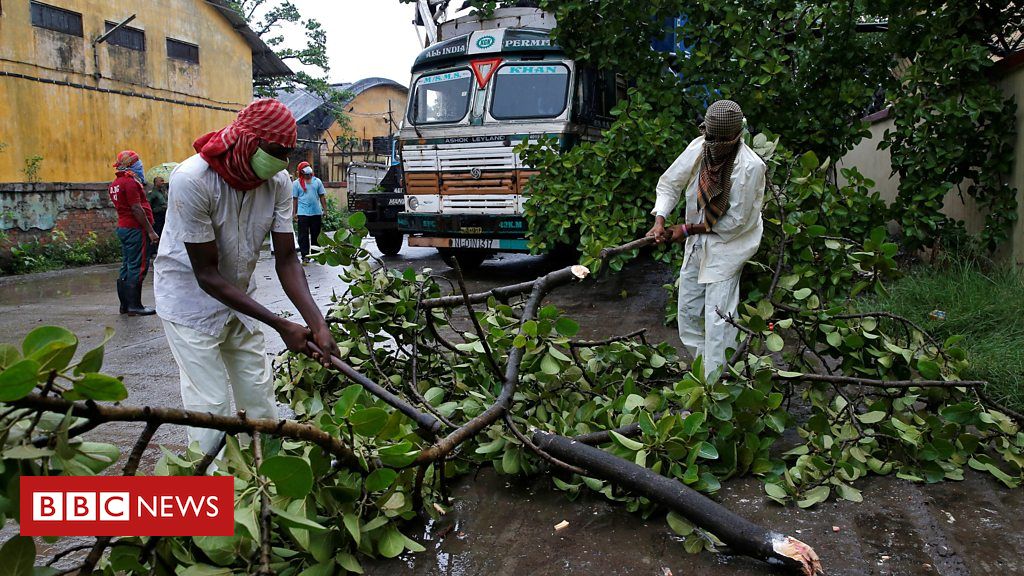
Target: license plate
(478, 243)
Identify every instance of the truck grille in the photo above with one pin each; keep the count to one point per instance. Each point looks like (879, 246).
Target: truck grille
(478, 204)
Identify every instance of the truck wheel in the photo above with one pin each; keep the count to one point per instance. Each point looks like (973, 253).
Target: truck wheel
(390, 243)
(468, 259)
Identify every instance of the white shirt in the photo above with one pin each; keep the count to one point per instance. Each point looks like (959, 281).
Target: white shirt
(737, 235)
(202, 207)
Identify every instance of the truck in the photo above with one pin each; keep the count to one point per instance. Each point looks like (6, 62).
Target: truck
(482, 87)
(374, 189)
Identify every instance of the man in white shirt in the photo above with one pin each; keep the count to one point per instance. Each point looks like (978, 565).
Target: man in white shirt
(222, 202)
(724, 180)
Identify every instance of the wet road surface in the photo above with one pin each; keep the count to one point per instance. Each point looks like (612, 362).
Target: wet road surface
(506, 527)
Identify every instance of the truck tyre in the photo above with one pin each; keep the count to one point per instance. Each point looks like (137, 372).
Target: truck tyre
(468, 259)
(390, 243)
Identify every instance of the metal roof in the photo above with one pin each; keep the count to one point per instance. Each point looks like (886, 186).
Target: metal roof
(265, 63)
(302, 103)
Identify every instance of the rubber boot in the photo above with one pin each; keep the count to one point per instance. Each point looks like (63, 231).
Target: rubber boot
(122, 296)
(134, 291)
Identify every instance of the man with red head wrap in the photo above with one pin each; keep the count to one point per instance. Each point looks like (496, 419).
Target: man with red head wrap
(134, 230)
(222, 203)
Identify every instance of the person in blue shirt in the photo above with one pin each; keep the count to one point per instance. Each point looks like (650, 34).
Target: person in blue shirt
(309, 202)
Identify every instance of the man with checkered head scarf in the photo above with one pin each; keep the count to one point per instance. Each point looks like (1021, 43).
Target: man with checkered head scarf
(221, 205)
(724, 182)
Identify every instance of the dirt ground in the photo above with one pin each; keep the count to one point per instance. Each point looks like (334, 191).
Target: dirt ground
(505, 527)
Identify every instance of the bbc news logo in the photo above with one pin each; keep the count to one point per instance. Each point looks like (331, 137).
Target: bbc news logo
(127, 506)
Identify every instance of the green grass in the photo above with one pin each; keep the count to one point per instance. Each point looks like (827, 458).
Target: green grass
(986, 306)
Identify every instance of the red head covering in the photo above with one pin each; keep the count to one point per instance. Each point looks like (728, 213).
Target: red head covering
(125, 160)
(229, 151)
(302, 177)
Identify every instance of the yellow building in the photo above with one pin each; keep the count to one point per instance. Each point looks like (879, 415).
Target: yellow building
(374, 108)
(69, 103)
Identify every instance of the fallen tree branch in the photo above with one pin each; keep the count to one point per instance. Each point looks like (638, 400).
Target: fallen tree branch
(541, 287)
(606, 341)
(629, 430)
(738, 533)
(854, 381)
(502, 293)
(426, 422)
(634, 245)
(280, 428)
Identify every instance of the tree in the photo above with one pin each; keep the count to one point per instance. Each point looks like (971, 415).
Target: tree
(268, 18)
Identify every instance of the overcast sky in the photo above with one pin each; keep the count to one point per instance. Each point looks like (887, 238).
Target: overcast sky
(364, 37)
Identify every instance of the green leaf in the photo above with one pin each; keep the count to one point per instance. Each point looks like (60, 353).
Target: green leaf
(292, 475)
(8, 355)
(380, 479)
(549, 365)
(776, 492)
(708, 451)
(19, 380)
(391, 543)
(348, 562)
(92, 360)
(368, 421)
(678, 524)
(351, 520)
(19, 556)
(871, 417)
(51, 346)
(357, 220)
(100, 387)
(814, 496)
(567, 327)
(626, 443)
(850, 493)
(290, 520)
(802, 293)
(692, 423)
(774, 342)
(633, 401)
(929, 369)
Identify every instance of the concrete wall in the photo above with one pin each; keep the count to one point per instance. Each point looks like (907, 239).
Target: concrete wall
(876, 165)
(368, 118)
(34, 211)
(143, 101)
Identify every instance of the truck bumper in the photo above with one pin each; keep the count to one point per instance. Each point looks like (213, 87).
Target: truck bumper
(381, 209)
(500, 232)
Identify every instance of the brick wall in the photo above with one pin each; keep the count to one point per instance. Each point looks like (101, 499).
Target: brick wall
(34, 211)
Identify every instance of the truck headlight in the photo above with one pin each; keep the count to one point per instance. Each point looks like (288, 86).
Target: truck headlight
(414, 203)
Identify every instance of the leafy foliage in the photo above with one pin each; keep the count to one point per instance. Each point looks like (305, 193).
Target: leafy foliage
(267, 18)
(699, 430)
(58, 251)
(807, 73)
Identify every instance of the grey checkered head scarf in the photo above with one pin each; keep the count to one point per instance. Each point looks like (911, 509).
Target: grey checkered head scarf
(722, 129)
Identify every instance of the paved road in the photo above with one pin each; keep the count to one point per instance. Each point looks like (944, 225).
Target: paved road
(502, 527)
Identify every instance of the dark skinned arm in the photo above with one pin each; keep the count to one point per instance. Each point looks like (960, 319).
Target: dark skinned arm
(293, 280)
(677, 231)
(140, 216)
(204, 259)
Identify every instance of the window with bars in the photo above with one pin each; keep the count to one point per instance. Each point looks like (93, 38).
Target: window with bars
(127, 37)
(182, 51)
(56, 19)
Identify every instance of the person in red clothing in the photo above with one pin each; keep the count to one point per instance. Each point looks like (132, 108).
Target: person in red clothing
(134, 230)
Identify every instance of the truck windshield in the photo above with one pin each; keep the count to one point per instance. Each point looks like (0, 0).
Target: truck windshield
(530, 91)
(440, 98)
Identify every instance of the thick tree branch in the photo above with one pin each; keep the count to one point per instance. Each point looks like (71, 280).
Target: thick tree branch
(280, 428)
(541, 287)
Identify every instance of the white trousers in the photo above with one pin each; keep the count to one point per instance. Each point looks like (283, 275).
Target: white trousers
(214, 367)
(704, 333)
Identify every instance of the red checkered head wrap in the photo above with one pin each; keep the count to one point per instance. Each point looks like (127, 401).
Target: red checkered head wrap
(125, 160)
(302, 177)
(229, 151)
